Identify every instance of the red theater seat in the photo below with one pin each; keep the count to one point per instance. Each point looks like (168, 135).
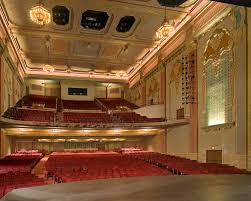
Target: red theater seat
(80, 105)
(115, 103)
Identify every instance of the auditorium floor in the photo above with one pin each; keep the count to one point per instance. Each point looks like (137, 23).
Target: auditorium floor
(163, 188)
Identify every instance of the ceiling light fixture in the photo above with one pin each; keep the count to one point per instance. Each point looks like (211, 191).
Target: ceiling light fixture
(166, 29)
(39, 14)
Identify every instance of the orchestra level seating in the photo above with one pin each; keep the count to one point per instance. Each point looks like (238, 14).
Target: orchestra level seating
(15, 172)
(179, 165)
(76, 167)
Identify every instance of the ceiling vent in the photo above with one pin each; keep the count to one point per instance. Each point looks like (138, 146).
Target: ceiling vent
(171, 3)
(125, 24)
(94, 19)
(60, 15)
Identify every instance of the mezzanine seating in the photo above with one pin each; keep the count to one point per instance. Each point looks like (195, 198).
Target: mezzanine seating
(80, 105)
(115, 103)
(95, 118)
(132, 117)
(76, 167)
(78, 112)
(35, 115)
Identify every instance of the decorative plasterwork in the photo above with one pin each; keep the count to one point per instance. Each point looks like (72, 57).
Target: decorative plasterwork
(136, 46)
(218, 127)
(204, 14)
(219, 42)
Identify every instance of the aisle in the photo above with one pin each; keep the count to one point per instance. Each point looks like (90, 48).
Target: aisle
(39, 170)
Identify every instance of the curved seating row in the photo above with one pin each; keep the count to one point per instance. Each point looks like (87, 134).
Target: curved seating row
(88, 167)
(179, 165)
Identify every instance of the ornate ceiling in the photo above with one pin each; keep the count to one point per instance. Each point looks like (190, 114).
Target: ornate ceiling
(79, 52)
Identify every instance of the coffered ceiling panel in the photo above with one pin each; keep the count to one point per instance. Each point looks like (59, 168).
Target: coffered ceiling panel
(124, 31)
(84, 48)
(31, 44)
(59, 46)
(111, 51)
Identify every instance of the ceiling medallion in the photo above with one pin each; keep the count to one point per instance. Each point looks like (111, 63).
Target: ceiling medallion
(48, 68)
(39, 14)
(165, 30)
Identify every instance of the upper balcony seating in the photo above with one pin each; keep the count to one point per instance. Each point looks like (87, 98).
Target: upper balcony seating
(95, 118)
(32, 100)
(80, 105)
(132, 117)
(115, 103)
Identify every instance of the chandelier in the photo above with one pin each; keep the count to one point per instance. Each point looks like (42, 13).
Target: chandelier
(165, 30)
(40, 15)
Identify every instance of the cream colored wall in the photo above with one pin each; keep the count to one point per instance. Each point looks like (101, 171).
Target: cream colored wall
(6, 143)
(32, 91)
(178, 140)
(47, 88)
(83, 84)
(152, 111)
(134, 95)
(100, 92)
(153, 88)
(110, 93)
(11, 87)
(231, 140)
(155, 143)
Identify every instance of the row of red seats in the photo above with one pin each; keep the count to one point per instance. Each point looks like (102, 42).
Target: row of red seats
(70, 117)
(36, 115)
(86, 167)
(12, 113)
(80, 105)
(29, 100)
(15, 171)
(179, 165)
(115, 103)
(20, 162)
(132, 117)
(14, 180)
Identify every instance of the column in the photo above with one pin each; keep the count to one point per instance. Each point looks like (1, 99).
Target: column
(249, 88)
